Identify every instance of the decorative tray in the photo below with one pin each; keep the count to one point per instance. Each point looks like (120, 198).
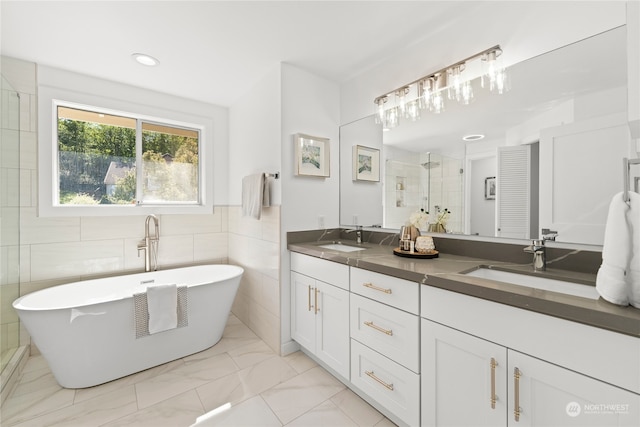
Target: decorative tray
(430, 254)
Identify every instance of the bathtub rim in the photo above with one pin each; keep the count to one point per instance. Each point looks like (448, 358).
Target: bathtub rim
(18, 305)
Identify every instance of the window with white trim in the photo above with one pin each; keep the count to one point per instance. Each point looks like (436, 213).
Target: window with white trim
(117, 158)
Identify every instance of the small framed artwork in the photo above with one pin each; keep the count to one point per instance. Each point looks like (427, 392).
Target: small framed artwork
(366, 163)
(490, 188)
(312, 155)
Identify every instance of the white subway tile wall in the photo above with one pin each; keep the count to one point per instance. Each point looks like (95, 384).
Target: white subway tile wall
(255, 245)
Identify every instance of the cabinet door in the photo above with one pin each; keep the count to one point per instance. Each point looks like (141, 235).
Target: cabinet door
(303, 321)
(549, 395)
(459, 379)
(332, 327)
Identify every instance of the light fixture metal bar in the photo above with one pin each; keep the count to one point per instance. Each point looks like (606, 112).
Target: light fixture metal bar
(441, 71)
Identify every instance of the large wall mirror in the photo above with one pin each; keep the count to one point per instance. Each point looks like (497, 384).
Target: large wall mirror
(550, 157)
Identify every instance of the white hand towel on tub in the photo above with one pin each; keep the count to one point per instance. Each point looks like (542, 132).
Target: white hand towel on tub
(162, 302)
(253, 195)
(612, 281)
(633, 278)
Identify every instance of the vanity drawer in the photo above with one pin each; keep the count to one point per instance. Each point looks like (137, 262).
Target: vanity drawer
(399, 293)
(391, 385)
(392, 332)
(320, 269)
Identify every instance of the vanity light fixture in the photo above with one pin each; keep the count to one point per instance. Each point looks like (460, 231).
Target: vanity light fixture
(144, 59)
(428, 92)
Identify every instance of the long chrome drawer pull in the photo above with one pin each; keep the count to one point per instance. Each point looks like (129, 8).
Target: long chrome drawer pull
(493, 383)
(308, 298)
(317, 304)
(376, 288)
(378, 328)
(372, 375)
(516, 390)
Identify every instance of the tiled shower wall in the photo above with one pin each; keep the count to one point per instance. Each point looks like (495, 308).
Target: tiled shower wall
(9, 220)
(59, 250)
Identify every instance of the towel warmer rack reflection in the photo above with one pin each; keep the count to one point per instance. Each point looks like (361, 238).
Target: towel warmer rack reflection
(626, 167)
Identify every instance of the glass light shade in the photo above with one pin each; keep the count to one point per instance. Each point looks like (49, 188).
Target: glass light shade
(412, 111)
(466, 93)
(401, 99)
(494, 74)
(425, 89)
(437, 102)
(379, 109)
(392, 118)
(455, 80)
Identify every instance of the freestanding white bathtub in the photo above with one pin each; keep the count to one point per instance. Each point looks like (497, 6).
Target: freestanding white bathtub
(87, 333)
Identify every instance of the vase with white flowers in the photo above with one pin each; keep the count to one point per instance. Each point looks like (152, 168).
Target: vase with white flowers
(440, 225)
(417, 220)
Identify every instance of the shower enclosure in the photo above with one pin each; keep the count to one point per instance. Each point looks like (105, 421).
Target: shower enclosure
(9, 222)
(430, 181)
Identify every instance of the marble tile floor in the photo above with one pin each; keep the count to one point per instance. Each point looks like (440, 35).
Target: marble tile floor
(241, 371)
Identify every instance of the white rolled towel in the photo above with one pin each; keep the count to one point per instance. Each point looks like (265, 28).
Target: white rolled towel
(612, 278)
(162, 303)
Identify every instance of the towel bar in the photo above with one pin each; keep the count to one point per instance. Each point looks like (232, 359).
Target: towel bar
(626, 168)
(272, 175)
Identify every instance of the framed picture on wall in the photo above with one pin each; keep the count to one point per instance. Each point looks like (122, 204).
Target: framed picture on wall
(312, 155)
(490, 188)
(366, 164)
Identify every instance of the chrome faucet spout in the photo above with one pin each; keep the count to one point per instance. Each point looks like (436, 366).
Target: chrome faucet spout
(150, 243)
(358, 231)
(539, 251)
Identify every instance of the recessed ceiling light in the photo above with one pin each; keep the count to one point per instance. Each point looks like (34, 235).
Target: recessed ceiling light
(145, 59)
(476, 137)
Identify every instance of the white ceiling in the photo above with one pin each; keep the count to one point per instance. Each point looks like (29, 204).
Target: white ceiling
(214, 51)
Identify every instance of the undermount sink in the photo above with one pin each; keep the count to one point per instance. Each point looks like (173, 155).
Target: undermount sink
(560, 286)
(341, 247)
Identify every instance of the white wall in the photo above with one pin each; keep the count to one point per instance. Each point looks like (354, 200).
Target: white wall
(310, 105)
(254, 244)
(523, 30)
(633, 69)
(483, 220)
(254, 136)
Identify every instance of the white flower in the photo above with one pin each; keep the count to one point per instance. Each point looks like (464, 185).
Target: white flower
(419, 219)
(443, 217)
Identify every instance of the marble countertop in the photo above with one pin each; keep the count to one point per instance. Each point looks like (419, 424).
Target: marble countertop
(446, 272)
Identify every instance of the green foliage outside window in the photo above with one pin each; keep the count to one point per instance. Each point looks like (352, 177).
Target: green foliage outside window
(87, 151)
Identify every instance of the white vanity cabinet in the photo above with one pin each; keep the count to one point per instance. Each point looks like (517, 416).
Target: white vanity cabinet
(548, 395)
(320, 310)
(385, 342)
(539, 370)
(464, 379)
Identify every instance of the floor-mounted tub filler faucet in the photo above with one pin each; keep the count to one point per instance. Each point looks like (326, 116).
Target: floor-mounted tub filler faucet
(150, 243)
(539, 251)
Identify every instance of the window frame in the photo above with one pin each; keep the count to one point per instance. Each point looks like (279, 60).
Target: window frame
(48, 187)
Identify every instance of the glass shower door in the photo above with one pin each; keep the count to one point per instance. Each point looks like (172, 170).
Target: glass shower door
(9, 220)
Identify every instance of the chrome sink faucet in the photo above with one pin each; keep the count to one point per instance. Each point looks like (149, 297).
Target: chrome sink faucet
(150, 243)
(358, 231)
(539, 251)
